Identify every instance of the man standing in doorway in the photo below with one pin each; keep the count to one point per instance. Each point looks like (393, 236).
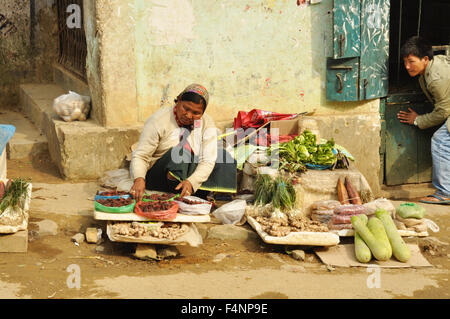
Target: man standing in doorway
(434, 79)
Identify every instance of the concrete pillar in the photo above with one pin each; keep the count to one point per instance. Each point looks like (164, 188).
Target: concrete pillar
(111, 70)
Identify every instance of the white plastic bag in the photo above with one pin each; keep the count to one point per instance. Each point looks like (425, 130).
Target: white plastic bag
(125, 185)
(231, 213)
(112, 178)
(194, 209)
(72, 106)
(383, 203)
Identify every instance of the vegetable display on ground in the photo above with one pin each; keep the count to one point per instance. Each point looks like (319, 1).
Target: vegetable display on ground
(399, 248)
(353, 195)
(112, 193)
(158, 197)
(115, 202)
(14, 193)
(377, 228)
(155, 206)
(279, 192)
(379, 251)
(167, 230)
(302, 150)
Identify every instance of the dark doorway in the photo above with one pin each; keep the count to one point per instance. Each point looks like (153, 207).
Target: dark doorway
(405, 150)
(427, 18)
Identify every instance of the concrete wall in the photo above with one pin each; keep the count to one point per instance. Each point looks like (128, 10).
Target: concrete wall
(267, 54)
(28, 45)
(111, 68)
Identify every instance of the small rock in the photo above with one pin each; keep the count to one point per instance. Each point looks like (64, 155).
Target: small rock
(311, 259)
(78, 238)
(32, 235)
(99, 248)
(330, 268)
(145, 252)
(167, 252)
(93, 235)
(219, 257)
(298, 254)
(47, 227)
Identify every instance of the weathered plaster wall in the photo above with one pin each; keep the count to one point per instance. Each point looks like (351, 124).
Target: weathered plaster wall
(267, 54)
(249, 54)
(28, 45)
(111, 69)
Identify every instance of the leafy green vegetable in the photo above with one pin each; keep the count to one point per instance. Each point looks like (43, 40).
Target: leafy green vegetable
(284, 196)
(280, 192)
(303, 149)
(263, 189)
(15, 194)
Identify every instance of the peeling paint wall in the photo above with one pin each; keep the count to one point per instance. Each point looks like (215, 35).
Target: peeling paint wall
(28, 45)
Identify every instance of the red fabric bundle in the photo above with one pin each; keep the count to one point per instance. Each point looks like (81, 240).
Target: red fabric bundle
(256, 118)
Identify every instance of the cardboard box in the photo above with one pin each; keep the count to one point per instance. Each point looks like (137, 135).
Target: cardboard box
(285, 127)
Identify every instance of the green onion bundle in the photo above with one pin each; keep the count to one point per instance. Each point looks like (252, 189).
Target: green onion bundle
(14, 194)
(279, 191)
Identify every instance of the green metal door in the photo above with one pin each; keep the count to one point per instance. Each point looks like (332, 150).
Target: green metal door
(374, 70)
(346, 30)
(342, 82)
(407, 149)
(361, 32)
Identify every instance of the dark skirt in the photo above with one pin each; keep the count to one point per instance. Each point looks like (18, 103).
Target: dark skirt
(222, 179)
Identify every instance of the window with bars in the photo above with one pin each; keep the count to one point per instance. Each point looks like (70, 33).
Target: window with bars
(72, 38)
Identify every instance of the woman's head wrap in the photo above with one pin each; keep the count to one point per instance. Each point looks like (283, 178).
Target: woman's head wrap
(198, 89)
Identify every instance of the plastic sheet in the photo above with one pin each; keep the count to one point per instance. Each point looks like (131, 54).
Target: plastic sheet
(168, 214)
(72, 106)
(118, 210)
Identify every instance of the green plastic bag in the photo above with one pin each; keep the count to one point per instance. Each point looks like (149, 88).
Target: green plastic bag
(118, 210)
(410, 210)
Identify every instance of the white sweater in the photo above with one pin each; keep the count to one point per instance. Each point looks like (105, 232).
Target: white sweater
(161, 133)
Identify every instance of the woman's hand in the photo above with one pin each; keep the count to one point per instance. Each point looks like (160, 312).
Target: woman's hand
(186, 188)
(407, 117)
(138, 189)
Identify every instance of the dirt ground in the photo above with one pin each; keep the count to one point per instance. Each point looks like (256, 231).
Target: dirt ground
(250, 270)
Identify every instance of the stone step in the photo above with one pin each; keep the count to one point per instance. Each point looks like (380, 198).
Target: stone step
(27, 140)
(407, 191)
(36, 102)
(82, 150)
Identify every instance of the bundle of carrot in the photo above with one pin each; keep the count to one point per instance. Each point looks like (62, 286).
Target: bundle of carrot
(347, 194)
